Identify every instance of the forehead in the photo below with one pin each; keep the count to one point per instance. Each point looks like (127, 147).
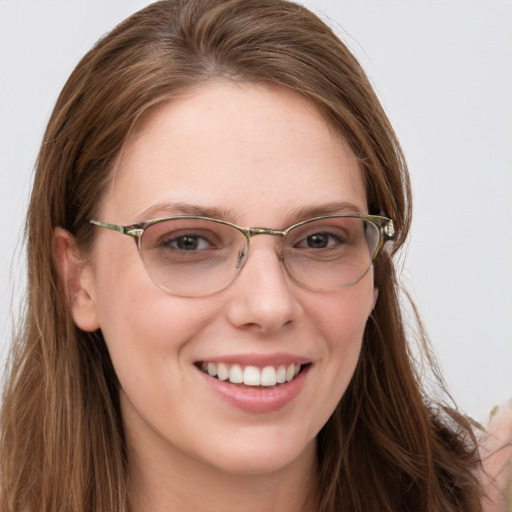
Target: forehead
(255, 151)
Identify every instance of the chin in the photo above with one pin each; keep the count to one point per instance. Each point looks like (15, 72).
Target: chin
(261, 455)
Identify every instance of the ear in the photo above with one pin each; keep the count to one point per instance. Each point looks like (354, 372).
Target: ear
(76, 280)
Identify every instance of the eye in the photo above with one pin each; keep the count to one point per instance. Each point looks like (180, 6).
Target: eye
(187, 242)
(320, 240)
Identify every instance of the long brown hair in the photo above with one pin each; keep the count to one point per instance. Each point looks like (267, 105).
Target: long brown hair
(386, 447)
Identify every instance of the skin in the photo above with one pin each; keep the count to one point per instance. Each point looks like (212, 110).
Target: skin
(496, 452)
(260, 154)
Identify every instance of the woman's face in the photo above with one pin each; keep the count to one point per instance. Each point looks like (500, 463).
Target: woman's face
(262, 156)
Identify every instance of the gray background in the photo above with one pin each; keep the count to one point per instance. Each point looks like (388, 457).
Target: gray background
(443, 70)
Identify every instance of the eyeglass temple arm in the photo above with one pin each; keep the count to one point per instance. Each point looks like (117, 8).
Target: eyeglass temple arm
(124, 230)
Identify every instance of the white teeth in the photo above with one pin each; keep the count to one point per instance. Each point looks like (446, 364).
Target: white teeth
(222, 371)
(235, 374)
(252, 375)
(268, 376)
(281, 374)
(212, 369)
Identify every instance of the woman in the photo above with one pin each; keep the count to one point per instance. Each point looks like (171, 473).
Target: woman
(187, 372)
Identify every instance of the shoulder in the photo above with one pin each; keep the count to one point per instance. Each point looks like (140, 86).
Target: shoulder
(496, 454)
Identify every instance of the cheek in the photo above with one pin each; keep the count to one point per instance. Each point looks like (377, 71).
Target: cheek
(149, 321)
(140, 322)
(342, 315)
(148, 335)
(340, 320)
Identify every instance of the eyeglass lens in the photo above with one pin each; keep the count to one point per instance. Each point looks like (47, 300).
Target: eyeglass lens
(194, 257)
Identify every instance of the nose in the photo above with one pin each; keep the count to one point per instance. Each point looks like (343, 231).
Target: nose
(262, 297)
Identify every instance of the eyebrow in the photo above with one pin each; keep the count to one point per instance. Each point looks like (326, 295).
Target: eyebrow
(163, 209)
(308, 212)
(334, 208)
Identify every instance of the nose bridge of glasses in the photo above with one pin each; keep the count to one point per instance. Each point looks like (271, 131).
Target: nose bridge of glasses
(252, 232)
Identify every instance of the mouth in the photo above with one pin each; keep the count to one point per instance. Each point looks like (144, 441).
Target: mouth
(268, 376)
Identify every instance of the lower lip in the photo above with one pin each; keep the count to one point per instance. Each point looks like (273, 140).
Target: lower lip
(257, 399)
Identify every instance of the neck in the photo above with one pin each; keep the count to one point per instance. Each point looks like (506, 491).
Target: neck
(175, 482)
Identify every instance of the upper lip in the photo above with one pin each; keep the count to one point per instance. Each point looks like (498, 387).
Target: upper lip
(260, 360)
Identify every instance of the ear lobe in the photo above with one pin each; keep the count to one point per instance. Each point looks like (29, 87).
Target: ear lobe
(75, 278)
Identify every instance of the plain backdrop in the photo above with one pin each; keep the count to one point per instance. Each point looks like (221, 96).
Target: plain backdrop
(443, 70)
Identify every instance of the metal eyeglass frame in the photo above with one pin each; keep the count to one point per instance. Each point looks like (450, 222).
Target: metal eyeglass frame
(136, 231)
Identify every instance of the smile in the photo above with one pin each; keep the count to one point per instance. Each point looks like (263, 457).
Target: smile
(251, 375)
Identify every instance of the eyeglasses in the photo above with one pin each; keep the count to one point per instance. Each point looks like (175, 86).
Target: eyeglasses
(194, 256)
